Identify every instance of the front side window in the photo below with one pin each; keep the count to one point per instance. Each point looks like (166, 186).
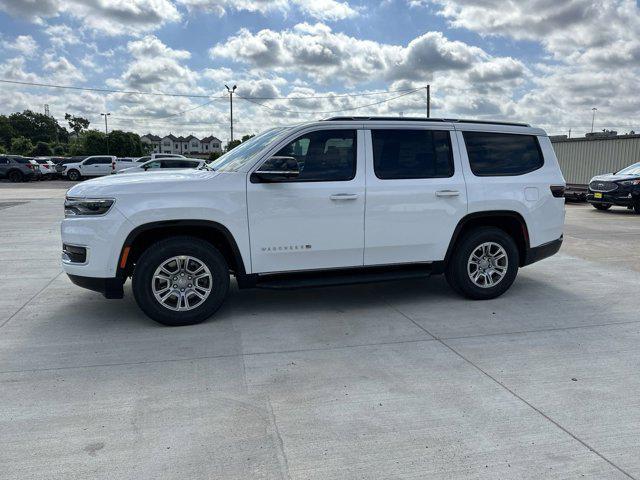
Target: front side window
(323, 156)
(404, 154)
(154, 164)
(502, 154)
(239, 156)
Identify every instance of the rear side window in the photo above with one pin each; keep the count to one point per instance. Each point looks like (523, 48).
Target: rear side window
(502, 154)
(401, 154)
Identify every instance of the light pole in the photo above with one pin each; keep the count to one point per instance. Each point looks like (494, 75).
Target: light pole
(593, 117)
(231, 90)
(106, 131)
(428, 101)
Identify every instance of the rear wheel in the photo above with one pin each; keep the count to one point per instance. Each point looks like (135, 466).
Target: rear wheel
(73, 175)
(180, 281)
(601, 206)
(15, 176)
(636, 207)
(484, 264)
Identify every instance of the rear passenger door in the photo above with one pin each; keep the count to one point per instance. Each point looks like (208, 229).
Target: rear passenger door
(415, 194)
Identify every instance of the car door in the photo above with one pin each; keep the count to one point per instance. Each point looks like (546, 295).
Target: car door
(95, 166)
(416, 194)
(314, 220)
(4, 166)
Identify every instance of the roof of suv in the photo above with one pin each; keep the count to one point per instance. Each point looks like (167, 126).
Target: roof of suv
(425, 119)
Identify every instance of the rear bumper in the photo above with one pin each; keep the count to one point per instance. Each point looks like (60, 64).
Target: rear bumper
(109, 287)
(540, 252)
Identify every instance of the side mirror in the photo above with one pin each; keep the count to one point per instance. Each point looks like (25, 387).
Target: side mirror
(276, 169)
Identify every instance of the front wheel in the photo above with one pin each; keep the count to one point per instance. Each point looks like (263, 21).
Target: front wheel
(73, 175)
(180, 281)
(601, 206)
(484, 264)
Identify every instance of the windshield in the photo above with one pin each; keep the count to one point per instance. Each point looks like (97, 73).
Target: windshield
(236, 158)
(630, 170)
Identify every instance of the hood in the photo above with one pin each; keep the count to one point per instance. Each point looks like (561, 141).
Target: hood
(111, 185)
(612, 177)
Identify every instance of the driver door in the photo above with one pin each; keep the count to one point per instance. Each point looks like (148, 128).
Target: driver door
(314, 220)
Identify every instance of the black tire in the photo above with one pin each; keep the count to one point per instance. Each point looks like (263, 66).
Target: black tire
(156, 255)
(73, 175)
(636, 207)
(601, 206)
(15, 176)
(456, 271)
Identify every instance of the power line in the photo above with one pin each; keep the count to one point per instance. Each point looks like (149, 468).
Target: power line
(188, 95)
(283, 110)
(337, 95)
(104, 90)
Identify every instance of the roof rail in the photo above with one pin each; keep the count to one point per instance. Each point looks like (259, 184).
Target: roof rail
(425, 119)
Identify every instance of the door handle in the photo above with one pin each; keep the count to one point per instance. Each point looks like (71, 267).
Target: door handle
(447, 193)
(343, 196)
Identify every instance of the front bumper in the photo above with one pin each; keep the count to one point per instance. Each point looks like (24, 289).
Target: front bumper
(109, 287)
(622, 197)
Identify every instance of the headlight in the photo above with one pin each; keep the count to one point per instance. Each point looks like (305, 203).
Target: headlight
(628, 183)
(87, 206)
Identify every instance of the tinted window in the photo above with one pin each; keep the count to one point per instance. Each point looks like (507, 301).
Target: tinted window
(500, 154)
(323, 156)
(4, 160)
(411, 154)
(22, 160)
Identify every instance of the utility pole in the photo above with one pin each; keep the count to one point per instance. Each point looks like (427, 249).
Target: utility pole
(46, 109)
(428, 101)
(231, 90)
(593, 117)
(569, 133)
(106, 131)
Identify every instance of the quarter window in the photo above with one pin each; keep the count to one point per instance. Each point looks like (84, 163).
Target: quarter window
(323, 156)
(399, 154)
(502, 154)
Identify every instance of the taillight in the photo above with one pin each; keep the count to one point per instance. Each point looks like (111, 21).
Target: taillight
(557, 190)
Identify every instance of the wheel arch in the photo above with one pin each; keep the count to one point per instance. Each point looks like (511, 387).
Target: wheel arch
(509, 221)
(143, 236)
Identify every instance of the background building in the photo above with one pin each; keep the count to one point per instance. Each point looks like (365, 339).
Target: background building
(584, 157)
(182, 145)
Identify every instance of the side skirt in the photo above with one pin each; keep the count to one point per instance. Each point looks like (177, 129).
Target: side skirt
(343, 276)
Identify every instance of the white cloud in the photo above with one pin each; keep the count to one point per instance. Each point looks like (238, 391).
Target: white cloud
(61, 69)
(24, 44)
(152, 47)
(61, 35)
(324, 55)
(326, 10)
(109, 17)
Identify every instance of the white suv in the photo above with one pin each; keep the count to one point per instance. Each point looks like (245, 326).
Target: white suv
(338, 201)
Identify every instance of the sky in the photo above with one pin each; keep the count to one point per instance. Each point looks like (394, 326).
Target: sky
(544, 62)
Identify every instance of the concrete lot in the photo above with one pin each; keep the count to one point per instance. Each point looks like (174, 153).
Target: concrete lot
(398, 380)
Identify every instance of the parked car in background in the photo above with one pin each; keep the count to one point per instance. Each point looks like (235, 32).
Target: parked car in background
(47, 167)
(93, 166)
(154, 156)
(332, 202)
(64, 161)
(621, 188)
(164, 164)
(17, 169)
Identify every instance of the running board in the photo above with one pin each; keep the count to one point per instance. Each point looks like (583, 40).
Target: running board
(348, 276)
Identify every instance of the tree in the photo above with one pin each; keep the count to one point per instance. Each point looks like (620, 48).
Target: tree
(37, 127)
(21, 146)
(247, 137)
(2, 149)
(214, 156)
(77, 124)
(41, 150)
(125, 144)
(6, 131)
(58, 150)
(93, 142)
(233, 144)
